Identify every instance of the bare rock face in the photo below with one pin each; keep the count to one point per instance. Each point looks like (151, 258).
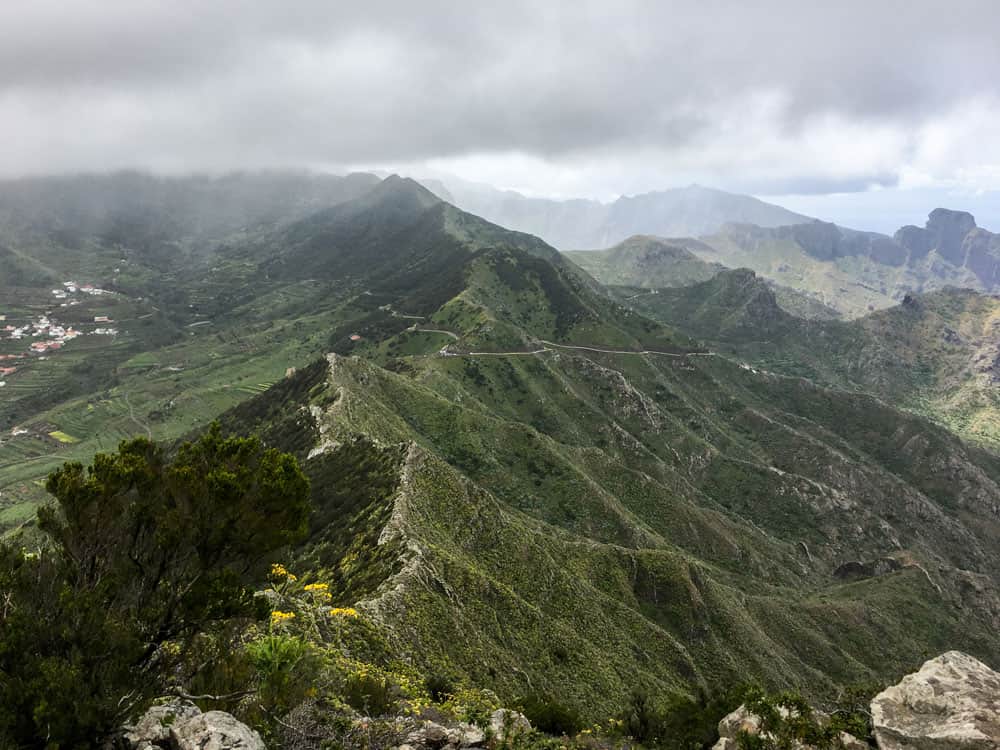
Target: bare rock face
(732, 725)
(154, 726)
(180, 725)
(436, 736)
(215, 730)
(951, 703)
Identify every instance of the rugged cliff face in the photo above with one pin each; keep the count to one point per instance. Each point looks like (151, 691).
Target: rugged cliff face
(954, 236)
(857, 272)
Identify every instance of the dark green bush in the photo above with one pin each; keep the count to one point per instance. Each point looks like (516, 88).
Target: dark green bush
(439, 687)
(786, 721)
(679, 722)
(372, 695)
(691, 723)
(641, 719)
(550, 716)
(147, 552)
(851, 710)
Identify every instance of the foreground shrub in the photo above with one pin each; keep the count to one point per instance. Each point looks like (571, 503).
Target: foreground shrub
(370, 694)
(439, 687)
(679, 722)
(148, 550)
(473, 706)
(641, 719)
(786, 721)
(285, 670)
(550, 716)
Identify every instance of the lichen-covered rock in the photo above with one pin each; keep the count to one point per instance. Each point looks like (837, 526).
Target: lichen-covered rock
(154, 726)
(740, 720)
(466, 735)
(506, 724)
(951, 703)
(430, 735)
(850, 742)
(214, 730)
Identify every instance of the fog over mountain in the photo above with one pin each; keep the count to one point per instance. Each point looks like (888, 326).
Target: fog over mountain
(588, 100)
(574, 224)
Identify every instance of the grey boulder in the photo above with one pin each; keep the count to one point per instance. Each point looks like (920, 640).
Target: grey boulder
(951, 703)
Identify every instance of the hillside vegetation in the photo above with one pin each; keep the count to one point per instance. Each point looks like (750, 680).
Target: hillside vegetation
(934, 354)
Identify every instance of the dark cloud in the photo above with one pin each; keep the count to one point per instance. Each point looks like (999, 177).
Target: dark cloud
(214, 85)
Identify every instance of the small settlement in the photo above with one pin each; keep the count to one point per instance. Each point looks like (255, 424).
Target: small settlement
(45, 333)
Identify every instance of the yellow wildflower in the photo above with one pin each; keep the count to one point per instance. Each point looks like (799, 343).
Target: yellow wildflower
(344, 612)
(278, 617)
(317, 586)
(280, 571)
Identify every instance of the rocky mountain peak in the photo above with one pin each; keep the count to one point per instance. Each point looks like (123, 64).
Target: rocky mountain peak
(945, 232)
(946, 220)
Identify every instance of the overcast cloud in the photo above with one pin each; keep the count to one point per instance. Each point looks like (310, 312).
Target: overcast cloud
(774, 97)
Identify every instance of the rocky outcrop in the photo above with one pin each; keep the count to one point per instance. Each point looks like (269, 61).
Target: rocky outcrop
(433, 735)
(948, 230)
(505, 727)
(742, 721)
(180, 725)
(215, 730)
(944, 232)
(951, 703)
(954, 236)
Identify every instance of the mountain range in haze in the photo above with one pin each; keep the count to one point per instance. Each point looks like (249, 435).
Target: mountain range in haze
(587, 224)
(845, 269)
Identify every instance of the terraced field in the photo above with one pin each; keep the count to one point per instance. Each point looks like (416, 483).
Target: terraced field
(164, 393)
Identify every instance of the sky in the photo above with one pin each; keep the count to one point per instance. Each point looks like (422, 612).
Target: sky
(868, 113)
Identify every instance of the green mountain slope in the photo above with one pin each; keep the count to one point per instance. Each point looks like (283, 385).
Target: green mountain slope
(199, 339)
(528, 485)
(578, 523)
(652, 263)
(574, 513)
(644, 261)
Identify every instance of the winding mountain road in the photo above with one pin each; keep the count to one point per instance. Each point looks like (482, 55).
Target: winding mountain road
(550, 345)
